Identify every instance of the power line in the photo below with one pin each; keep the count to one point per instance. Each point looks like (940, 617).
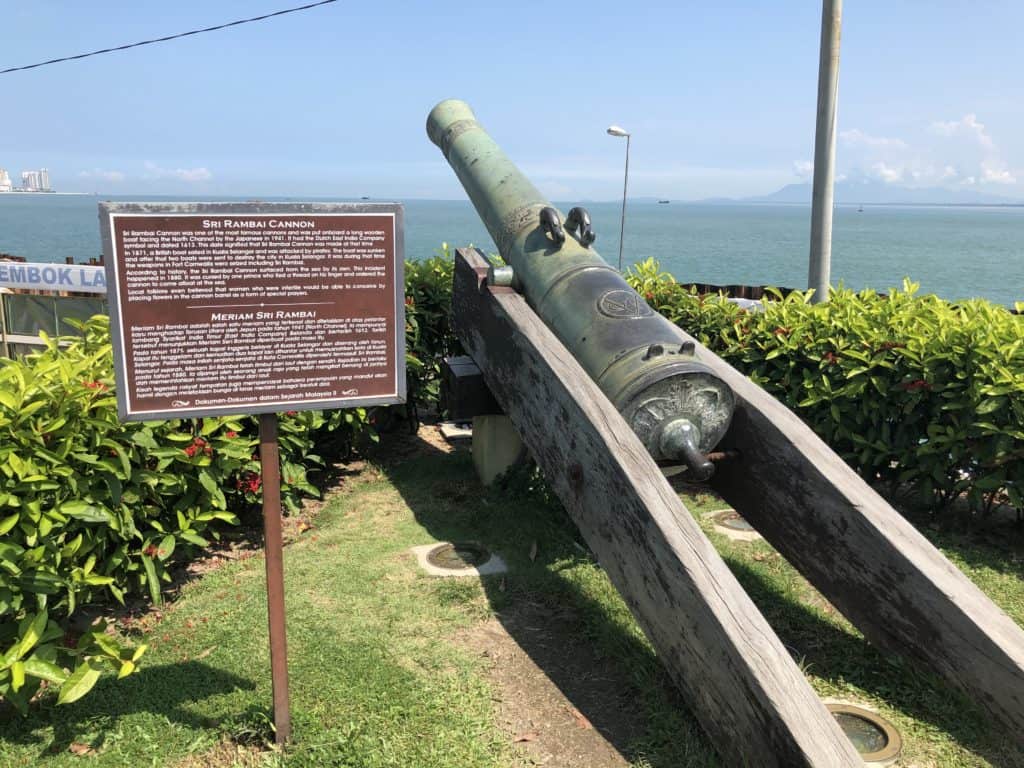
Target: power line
(168, 37)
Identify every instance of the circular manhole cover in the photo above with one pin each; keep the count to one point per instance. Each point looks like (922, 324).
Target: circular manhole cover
(875, 738)
(458, 556)
(733, 521)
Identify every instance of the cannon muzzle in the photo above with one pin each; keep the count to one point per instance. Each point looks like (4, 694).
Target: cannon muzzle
(647, 366)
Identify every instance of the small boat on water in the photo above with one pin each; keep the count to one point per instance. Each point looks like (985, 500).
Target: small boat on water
(663, 202)
(860, 209)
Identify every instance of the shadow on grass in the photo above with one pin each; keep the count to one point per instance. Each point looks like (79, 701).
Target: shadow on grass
(833, 654)
(164, 690)
(650, 718)
(608, 673)
(997, 546)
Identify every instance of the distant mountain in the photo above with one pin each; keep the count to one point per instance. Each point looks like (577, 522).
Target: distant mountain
(866, 191)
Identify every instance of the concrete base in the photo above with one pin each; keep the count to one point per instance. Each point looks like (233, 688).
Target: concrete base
(452, 431)
(493, 565)
(496, 446)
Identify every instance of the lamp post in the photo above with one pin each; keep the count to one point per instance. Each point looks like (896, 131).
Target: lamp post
(614, 130)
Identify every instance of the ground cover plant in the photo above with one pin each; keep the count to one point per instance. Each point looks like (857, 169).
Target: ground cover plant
(93, 510)
(912, 391)
(382, 673)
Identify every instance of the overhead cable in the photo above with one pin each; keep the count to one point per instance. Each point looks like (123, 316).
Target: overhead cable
(168, 37)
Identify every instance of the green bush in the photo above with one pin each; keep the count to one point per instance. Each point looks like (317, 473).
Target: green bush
(429, 336)
(93, 509)
(908, 389)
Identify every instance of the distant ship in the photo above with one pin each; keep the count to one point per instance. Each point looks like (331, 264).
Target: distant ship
(663, 202)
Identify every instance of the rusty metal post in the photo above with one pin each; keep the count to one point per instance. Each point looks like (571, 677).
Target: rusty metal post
(270, 470)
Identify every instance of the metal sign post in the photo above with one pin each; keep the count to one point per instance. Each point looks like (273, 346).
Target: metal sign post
(270, 472)
(311, 294)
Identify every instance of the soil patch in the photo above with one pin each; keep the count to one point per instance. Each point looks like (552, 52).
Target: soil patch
(226, 754)
(556, 699)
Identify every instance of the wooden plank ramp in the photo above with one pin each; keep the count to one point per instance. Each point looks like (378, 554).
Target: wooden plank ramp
(740, 681)
(873, 565)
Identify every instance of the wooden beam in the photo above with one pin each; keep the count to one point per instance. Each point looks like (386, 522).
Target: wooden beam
(740, 681)
(464, 392)
(872, 564)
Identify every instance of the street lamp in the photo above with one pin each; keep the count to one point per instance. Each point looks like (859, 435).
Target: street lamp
(614, 130)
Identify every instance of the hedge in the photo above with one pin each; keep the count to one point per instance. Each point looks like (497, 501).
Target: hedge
(913, 391)
(94, 510)
(910, 390)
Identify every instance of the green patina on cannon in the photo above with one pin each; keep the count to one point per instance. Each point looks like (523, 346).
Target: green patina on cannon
(648, 368)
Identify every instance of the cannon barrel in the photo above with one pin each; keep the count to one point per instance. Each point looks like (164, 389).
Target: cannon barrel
(648, 368)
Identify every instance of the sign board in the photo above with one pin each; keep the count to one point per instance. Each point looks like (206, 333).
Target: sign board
(221, 308)
(70, 278)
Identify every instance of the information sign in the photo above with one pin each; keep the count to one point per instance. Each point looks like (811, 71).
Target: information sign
(221, 308)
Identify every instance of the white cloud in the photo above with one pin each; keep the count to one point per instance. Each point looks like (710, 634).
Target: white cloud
(886, 173)
(803, 168)
(855, 137)
(97, 173)
(968, 126)
(951, 153)
(190, 175)
(996, 175)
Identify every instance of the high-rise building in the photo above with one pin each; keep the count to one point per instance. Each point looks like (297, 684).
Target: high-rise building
(30, 181)
(44, 179)
(5, 181)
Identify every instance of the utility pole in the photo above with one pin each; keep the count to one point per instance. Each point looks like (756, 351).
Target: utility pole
(825, 151)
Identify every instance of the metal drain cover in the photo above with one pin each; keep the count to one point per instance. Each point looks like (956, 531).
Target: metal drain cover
(733, 521)
(876, 739)
(457, 556)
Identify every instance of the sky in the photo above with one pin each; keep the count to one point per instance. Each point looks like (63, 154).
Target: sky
(719, 97)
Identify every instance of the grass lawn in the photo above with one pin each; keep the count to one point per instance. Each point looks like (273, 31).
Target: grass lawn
(380, 675)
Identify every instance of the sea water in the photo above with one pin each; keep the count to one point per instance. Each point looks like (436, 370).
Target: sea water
(956, 252)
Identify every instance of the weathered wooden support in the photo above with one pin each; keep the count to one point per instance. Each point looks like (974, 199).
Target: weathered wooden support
(743, 686)
(873, 565)
(464, 392)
